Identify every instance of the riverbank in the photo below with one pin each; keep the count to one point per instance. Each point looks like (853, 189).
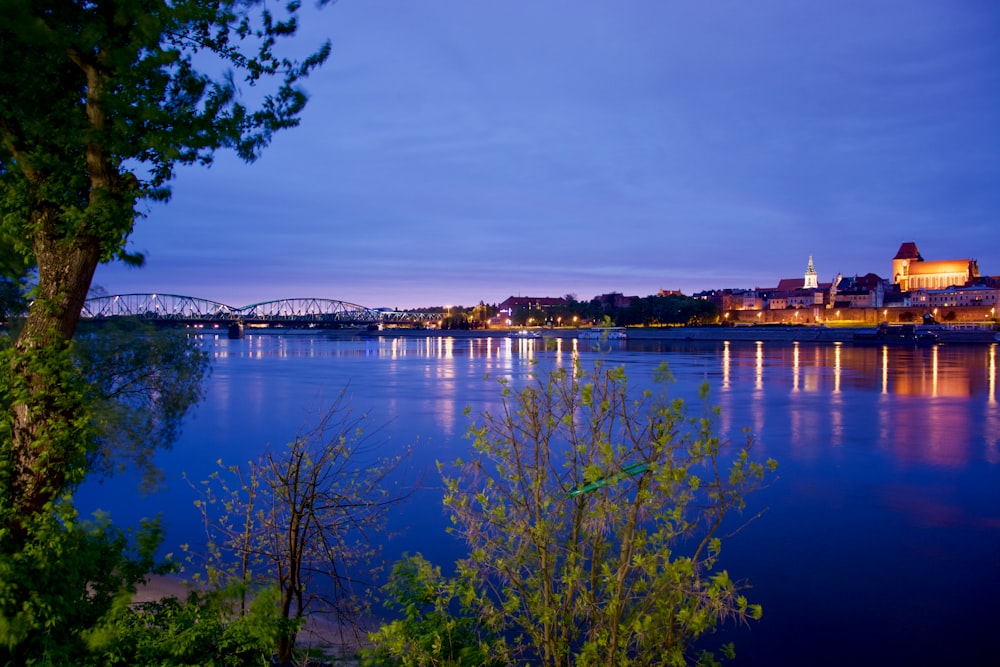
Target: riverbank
(753, 333)
(709, 333)
(817, 334)
(766, 333)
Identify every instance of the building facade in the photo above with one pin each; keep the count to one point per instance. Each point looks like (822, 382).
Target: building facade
(910, 271)
(980, 295)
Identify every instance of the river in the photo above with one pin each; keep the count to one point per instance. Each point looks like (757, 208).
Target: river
(880, 543)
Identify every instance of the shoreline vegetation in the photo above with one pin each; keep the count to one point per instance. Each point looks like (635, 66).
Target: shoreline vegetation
(319, 634)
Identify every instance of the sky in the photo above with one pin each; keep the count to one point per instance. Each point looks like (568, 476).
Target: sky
(458, 151)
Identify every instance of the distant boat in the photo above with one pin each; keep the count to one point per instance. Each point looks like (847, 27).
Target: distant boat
(604, 333)
(524, 333)
(963, 333)
(903, 334)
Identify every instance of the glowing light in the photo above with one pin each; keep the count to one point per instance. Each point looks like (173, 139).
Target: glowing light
(885, 369)
(759, 366)
(725, 365)
(795, 366)
(993, 374)
(836, 367)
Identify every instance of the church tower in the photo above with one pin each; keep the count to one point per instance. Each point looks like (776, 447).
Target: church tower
(906, 255)
(811, 281)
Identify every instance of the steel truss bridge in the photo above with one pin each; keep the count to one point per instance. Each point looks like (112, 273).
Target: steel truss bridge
(172, 308)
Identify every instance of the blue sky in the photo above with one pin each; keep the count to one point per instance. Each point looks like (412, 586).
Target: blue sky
(455, 151)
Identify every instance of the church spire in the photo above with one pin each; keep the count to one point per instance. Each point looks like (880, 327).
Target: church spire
(811, 281)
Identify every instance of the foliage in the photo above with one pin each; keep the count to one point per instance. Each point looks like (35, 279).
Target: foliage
(669, 309)
(143, 381)
(204, 629)
(303, 520)
(528, 316)
(100, 102)
(65, 582)
(55, 461)
(59, 575)
(438, 626)
(12, 301)
(595, 521)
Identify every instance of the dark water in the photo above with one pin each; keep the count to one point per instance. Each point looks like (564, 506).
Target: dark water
(881, 539)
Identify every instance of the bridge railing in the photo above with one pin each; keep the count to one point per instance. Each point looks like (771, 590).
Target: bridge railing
(173, 307)
(157, 307)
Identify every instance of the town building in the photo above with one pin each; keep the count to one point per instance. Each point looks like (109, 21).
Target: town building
(804, 292)
(867, 291)
(910, 271)
(724, 299)
(975, 295)
(614, 300)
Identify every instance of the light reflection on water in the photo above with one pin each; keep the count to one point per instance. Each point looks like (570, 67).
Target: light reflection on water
(882, 534)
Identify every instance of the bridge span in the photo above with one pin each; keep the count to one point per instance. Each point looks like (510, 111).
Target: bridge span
(173, 308)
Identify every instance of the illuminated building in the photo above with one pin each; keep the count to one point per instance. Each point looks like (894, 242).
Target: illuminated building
(910, 271)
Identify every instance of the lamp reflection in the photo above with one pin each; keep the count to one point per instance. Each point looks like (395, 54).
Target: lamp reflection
(992, 376)
(759, 366)
(725, 365)
(758, 393)
(836, 401)
(885, 370)
(795, 366)
(934, 371)
(836, 367)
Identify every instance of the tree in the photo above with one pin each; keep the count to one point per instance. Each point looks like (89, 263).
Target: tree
(57, 588)
(438, 628)
(143, 382)
(203, 629)
(58, 591)
(669, 309)
(100, 102)
(595, 521)
(302, 520)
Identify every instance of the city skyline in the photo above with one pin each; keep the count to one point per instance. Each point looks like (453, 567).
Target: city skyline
(456, 153)
(759, 286)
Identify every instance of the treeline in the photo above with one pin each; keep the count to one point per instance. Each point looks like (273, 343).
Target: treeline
(667, 310)
(653, 310)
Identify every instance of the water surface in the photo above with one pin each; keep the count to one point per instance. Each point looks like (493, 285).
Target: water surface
(880, 543)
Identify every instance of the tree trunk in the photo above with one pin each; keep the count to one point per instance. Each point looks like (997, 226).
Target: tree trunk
(49, 425)
(48, 429)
